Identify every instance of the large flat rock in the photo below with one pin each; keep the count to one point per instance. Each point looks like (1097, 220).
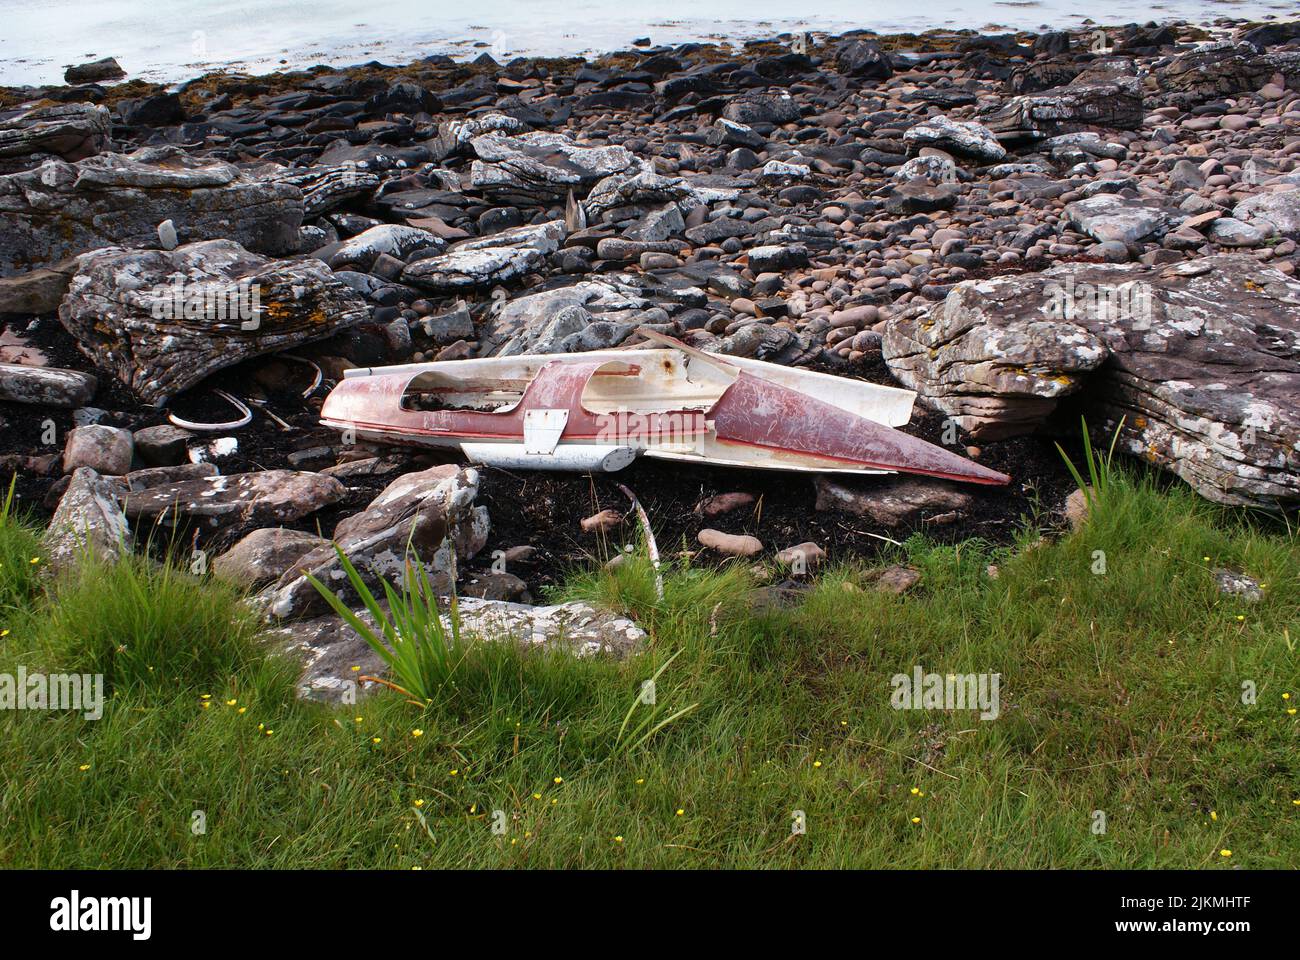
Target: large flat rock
(62, 209)
(1201, 360)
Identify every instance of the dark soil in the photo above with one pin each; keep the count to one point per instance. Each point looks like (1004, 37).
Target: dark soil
(539, 508)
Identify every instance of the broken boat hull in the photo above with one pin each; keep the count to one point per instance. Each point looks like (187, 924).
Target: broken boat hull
(598, 411)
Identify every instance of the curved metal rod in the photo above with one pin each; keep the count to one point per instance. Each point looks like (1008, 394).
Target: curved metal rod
(311, 363)
(245, 419)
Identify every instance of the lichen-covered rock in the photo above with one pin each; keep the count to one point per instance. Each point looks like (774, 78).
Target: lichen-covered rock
(1223, 69)
(46, 386)
(1108, 216)
(1272, 212)
(1116, 104)
(639, 188)
(106, 450)
(541, 166)
(483, 262)
(62, 209)
(964, 138)
(161, 321)
(326, 186)
(268, 496)
(1200, 359)
(88, 520)
(540, 322)
(455, 136)
(330, 649)
(68, 131)
(393, 239)
(420, 517)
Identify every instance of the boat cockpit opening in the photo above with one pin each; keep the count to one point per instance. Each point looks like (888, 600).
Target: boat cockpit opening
(436, 391)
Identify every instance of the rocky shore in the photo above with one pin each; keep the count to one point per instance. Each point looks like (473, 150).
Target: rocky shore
(1022, 228)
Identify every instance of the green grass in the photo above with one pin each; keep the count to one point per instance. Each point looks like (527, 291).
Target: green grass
(1120, 692)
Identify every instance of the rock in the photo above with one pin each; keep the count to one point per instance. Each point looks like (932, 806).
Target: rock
(161, 321)
(918, 196)
(63, 209)
(1230, 232)
(1235, 584)
(1110, 217)
(936, 167)
(634, 188)
(777, 171)
(541, 166)
(150, 477)
(46, 386)
(37, 291)
(724, 503)
(106, 450)
(1077, 106)
(1224, 69)
(394, 240)
(1076, 508)
(88, 519)
(105, 70)
(1201, 363)
(163, 445)
(455, 136)
(752, 108)
(329, 648)
(540, 322)
(729, 133)
(778, 258)
(420, 518)
(730, 544)
(160, 110)
(896, 579)
(803, 556)
(496, 586)
(67, 131)
(500, 258)
(404, 97)
(449, 327)
(892, 501)
(324, 187)
(265, 555)
(963, 138)
(1272, 213)
(601, 522)
(265, 497)
(864, 60)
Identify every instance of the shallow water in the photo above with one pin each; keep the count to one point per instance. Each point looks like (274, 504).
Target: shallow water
(177, 39)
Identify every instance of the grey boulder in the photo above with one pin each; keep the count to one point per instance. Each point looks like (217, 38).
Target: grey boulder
(67, 131)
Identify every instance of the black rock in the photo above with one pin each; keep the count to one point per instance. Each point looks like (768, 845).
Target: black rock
(863, 59)
(98, 71)
(157, 111)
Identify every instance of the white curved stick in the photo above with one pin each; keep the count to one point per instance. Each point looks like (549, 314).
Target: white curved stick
(245, 419)
(311, 363)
